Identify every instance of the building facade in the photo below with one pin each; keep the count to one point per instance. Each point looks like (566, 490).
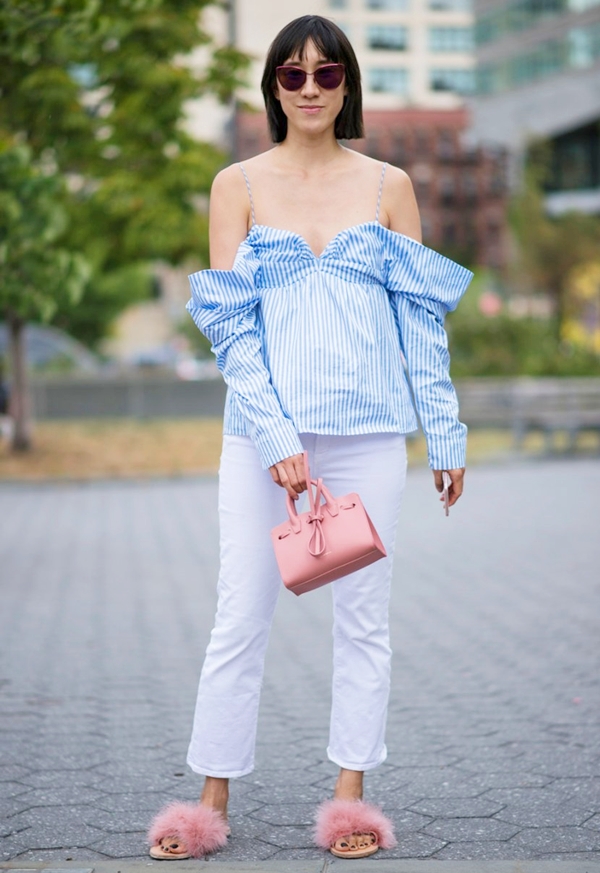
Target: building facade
(461, 191)
(538, 77)
(411, 52)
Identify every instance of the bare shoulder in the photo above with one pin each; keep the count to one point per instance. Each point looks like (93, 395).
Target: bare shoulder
(399, 210)
(229, 182)
(397, 181)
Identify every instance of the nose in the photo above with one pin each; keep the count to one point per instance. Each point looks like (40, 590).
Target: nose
(310, 87)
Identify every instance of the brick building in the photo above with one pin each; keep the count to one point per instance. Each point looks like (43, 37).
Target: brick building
(461, 191)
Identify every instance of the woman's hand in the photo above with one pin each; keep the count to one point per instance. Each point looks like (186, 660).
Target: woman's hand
(289, 473)
(456, 488)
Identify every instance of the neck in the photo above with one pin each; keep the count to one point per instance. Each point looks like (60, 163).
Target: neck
(310, 152)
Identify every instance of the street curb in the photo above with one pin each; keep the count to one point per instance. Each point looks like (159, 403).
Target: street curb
(358, 866)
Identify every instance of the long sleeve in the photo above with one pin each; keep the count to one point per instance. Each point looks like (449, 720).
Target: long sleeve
(224, 307)
(423, 286)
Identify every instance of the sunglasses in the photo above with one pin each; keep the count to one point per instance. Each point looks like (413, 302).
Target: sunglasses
(329, 76)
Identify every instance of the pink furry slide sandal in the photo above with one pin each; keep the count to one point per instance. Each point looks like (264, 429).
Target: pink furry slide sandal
(186, 830)
(352, 829)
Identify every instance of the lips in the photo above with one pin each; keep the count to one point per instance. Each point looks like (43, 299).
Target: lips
(310, 110)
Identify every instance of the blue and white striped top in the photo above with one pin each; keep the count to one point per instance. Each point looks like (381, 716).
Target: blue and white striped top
(316, 344)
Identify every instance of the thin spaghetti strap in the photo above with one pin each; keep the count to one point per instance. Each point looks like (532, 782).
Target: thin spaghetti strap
(384, 168)
(241, 166)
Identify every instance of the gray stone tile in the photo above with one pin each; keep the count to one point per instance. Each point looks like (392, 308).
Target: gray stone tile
(314, 854)
(470, 829)
(13, 772)
(73, 796)
(559, 839)
(487, 658)
(484, 781)
(588, 857)
(486, 850)
(124, 845)
(416, 845)
(55, 830)
(248, 850)
(543, 814)
(8, 790)
(134, 821)
(457, 807)
(12, 847)
(151, 801)
(55, 856)
(286, 814)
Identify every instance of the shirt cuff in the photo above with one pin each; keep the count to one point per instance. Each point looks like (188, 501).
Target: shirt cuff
(447, 451)
(279, 443)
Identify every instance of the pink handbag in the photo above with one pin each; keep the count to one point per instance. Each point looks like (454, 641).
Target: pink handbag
(333, 539)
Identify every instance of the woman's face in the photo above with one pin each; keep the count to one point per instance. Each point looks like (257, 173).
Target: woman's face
(311, 108)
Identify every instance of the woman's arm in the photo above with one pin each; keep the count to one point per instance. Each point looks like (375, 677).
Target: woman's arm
(399, 207)
(223, 305)
(229, 221)
(399, 210)
(229, 217)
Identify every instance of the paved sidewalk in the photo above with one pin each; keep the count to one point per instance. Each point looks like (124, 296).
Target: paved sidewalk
(107, 595)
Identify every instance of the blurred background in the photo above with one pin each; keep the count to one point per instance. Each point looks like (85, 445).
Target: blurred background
(114, 120)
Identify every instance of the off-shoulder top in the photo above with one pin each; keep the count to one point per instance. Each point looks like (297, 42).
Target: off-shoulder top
(350, 342)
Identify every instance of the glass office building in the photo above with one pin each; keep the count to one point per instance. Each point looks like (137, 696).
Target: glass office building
(538, 77)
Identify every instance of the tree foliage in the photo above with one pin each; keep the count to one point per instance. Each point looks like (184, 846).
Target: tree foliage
(97, 90)
(550, 248)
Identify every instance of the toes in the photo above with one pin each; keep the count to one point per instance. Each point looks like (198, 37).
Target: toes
(172, 845)
(355, 842)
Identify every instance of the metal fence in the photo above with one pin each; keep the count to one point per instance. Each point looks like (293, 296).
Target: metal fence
(520, 404)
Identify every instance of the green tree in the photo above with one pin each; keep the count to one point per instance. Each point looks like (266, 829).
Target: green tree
(550, 248)
(36, 276)
(97, 90)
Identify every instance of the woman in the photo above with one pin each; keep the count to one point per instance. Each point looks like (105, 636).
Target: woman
(319, 287)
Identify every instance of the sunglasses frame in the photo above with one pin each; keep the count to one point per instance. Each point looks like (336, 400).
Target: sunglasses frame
(306, 75)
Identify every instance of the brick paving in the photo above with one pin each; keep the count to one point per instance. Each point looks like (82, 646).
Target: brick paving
(107, 602)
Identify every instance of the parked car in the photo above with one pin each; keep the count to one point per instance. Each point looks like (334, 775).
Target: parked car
(50, 349)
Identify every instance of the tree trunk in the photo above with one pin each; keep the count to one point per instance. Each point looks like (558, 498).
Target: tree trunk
(19, 397)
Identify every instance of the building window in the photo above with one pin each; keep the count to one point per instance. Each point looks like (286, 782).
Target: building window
(451, 39)
(521, 14)
(390, 80)
(445, 145)
(459, 81)
(469, 187)
(451, 5)
(449, 232)
(422, 141)
(422, 191)
(391, 38)
(398, 147)
(576, 159)
(338, 4)
(387, 5)
(576, 49)
(447, 190)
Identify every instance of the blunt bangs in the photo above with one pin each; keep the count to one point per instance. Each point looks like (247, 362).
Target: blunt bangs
(333, 44)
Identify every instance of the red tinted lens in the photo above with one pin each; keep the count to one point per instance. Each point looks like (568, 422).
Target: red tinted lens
(330, 77)
(291, 78)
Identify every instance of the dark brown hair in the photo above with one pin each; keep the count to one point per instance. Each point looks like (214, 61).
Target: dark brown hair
(335, 47)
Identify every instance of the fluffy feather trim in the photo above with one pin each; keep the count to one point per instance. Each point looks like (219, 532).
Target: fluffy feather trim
(341, 818)
(202, 830)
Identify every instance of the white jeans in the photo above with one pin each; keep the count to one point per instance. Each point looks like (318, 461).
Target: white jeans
(250, 504)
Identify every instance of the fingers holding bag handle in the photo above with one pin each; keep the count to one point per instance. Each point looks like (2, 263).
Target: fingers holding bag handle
(290, 473)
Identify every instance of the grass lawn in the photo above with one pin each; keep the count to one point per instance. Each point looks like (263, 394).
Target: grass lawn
(126, 448)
